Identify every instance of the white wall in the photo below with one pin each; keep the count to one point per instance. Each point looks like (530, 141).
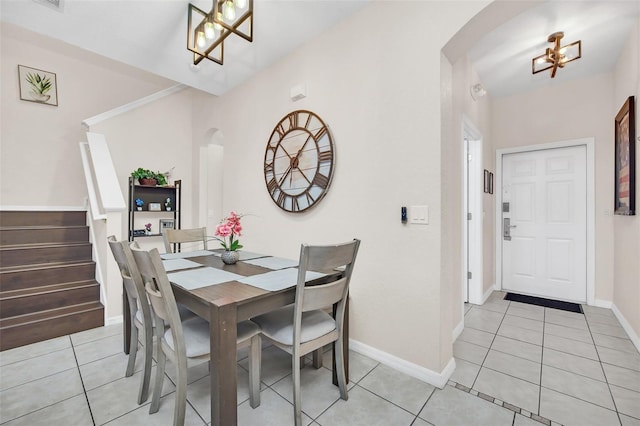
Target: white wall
(380, 96)
(626, 283)
(40, 160)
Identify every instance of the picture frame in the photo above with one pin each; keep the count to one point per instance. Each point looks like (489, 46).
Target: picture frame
(155, 207)
(166, 224)
(490, 182)
(37, 85)
(486, 181)
(625, 154)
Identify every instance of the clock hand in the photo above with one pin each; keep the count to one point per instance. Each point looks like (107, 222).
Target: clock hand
(284, 176)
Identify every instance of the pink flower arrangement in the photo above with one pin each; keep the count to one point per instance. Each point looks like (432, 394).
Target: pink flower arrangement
(230, 227)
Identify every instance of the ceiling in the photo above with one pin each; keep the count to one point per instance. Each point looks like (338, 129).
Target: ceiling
(151, 35)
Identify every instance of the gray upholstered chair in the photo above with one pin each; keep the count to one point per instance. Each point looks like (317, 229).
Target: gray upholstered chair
(181, 236)
(186, 343)
(305, 326)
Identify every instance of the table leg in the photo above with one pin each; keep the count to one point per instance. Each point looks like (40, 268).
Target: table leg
(224, 398)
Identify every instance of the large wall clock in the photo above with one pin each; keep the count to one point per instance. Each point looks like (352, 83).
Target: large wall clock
(299, 161)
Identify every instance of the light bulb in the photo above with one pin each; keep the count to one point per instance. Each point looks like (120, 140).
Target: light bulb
(229, 10)
(241, 3)
(217, 25)
(209, 30)
(201, 40)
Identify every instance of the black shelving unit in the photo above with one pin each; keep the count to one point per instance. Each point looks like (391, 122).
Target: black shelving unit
(154, 195)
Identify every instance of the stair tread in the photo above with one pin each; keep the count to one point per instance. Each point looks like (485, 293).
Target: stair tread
(8, 294)
(49, 314)
(31, 246)
(42, 266)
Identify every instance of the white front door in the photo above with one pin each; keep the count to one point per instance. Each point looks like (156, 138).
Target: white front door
(544, 223)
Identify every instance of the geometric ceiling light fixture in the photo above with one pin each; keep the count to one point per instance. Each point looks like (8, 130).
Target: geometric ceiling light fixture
(206, 31)
(556, 57)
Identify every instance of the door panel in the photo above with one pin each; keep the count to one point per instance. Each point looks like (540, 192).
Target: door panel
(546, 253)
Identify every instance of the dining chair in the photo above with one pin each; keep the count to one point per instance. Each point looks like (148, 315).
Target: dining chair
(179, 236)
(139, 312)
(141, 317)
(186, 343)
(305, 326)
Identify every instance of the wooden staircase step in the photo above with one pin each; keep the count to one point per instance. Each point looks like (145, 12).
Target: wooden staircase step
(16, 236)
(31, 300)
(38, 254)
(25, 277)
(42, 218)
(30, 328)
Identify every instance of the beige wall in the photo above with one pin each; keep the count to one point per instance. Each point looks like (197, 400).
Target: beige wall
(380, 96)
(576, 109)
(40, 159)
(626, 277)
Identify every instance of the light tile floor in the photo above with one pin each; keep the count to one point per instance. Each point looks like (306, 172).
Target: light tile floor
(516, 365)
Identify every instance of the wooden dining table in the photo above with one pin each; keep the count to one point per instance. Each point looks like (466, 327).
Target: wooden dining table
(223, 305)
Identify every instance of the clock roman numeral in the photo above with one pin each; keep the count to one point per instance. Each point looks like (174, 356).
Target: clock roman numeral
(320, 133)
(272, 185)
(282, 198)
(293, 120)
(281, 130)
(321, 180)
(325, 156)
(268, 168)
(294, 205)
(309, 198)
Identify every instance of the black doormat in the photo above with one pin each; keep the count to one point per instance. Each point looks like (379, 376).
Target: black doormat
(547, 303)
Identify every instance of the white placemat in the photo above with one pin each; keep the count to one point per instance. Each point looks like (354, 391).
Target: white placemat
(202, 277)
(175, 264)
(186, 254)
(247, 255)
(278, 280)
(274, 263)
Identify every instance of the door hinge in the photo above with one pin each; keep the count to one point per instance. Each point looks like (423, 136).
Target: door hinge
(469, 275)
(469, 215)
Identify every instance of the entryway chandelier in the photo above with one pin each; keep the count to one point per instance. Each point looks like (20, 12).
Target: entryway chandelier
(206, 31)
(556, 57)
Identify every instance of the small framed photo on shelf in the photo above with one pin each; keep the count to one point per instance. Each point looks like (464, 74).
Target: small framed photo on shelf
(155, 207)
(166, 224)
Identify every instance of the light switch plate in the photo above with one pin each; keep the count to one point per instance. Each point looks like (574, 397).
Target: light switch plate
(419, 215)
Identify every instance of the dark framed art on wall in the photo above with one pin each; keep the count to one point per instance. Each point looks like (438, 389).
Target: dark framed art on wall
(625, 167)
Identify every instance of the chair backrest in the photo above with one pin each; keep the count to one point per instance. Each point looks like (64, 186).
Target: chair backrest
(324, 259)
(158, 290)
(131, 278)
(179, 236)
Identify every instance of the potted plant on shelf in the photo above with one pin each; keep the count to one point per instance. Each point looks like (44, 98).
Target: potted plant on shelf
(139, 203)
(148, 177)
(147, 228)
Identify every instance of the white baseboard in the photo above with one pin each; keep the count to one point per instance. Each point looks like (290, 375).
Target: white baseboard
(627, 327)
(487, 293)
(114, 320)
(599, 303)
(457, 331)
(433, 378)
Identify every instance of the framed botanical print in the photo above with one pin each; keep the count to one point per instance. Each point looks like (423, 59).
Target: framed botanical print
(625, 167)
(38, 85)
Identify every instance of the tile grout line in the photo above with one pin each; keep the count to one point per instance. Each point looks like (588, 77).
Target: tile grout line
(615, 406)
(84, 389)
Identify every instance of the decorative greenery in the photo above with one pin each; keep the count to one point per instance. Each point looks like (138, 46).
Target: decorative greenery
(167, 203)
(230, 227)
(40, 84)
(148, 227)
(139, 202)
(141, 173)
